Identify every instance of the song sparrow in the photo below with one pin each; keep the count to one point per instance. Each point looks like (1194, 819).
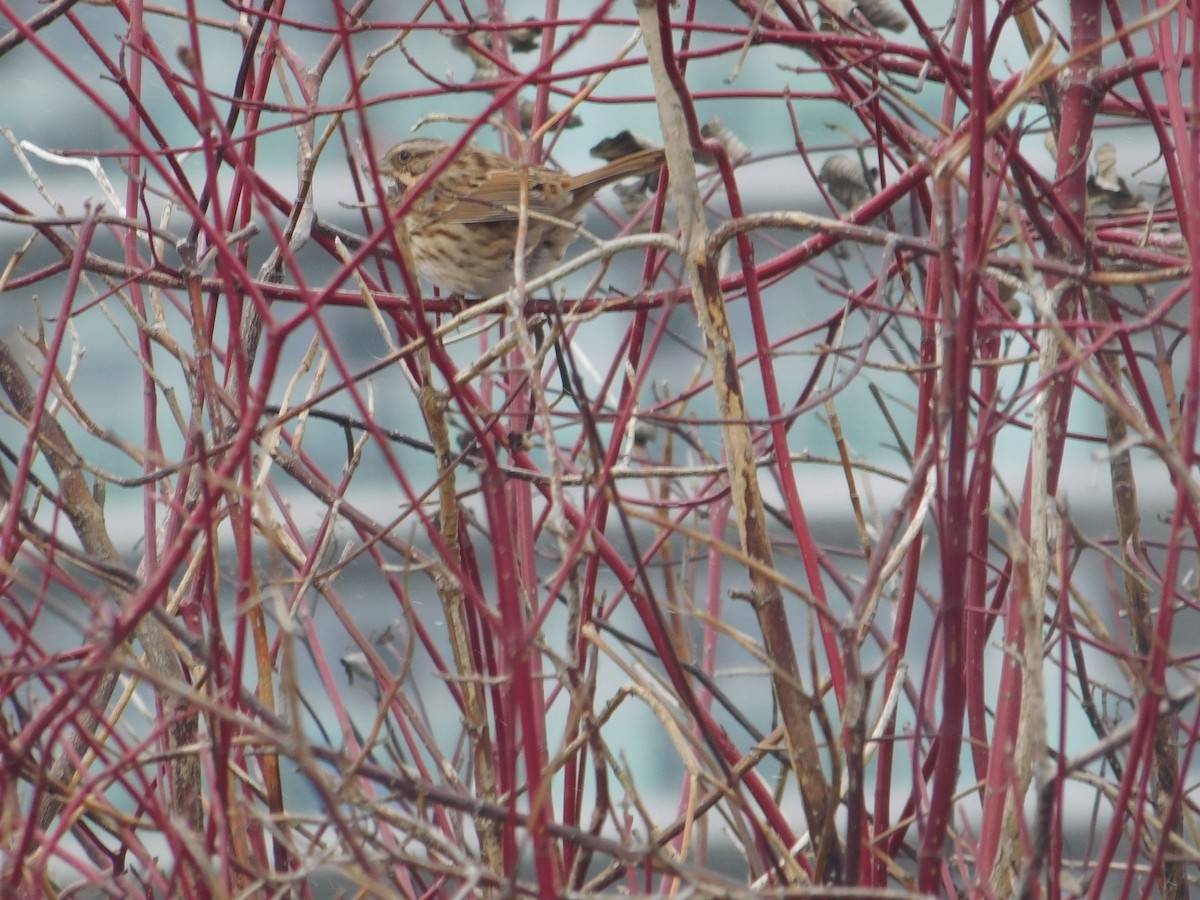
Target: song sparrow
(462, 230)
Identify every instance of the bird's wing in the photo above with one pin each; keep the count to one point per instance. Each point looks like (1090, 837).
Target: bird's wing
(498, 199)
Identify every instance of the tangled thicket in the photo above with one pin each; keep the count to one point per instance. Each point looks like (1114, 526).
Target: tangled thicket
(828, 518)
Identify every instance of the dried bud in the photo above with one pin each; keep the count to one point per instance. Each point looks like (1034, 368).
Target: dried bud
(876, 13)
(355, 663)
(831, 10)
(620, 145)
(624, 144)
(1106, 187)
(186, 56)
(882, 14)
(643, 434)
(524, 40)
(1007, 292)
(721, 133)
(846, 181)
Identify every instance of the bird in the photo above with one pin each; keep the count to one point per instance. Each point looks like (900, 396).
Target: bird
(462, 229)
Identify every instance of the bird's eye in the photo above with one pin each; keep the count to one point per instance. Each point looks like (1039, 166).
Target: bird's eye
(405, 155)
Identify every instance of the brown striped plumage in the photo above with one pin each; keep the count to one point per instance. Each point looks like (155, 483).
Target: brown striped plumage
(462, 229)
